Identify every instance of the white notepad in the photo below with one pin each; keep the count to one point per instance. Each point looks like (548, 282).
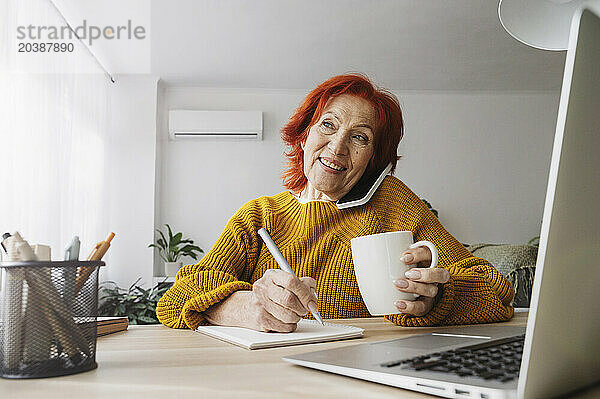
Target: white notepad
(308, 332)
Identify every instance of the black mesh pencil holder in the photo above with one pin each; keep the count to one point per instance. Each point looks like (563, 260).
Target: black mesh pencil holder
(48, 316)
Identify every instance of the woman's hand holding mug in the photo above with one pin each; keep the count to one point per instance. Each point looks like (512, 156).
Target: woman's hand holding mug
(380, 263)
(420, 281)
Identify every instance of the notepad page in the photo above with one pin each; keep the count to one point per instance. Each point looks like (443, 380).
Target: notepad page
(308, 331)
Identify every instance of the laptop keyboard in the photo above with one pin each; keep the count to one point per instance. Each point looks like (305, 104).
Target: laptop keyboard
(497, 360)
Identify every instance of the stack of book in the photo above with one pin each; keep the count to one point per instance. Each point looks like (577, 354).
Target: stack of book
(108, 325)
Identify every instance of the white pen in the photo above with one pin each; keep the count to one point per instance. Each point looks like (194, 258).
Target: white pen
(283, 264)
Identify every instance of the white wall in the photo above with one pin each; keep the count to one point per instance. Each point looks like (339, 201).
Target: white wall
(481, 159)
(133, 138)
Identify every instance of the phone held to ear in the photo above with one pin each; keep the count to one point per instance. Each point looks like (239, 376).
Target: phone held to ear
(362, 192)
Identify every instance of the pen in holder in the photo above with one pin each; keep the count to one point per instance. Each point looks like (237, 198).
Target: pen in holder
(45, 331)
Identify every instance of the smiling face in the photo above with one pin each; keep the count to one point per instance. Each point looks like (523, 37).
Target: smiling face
(338, 147)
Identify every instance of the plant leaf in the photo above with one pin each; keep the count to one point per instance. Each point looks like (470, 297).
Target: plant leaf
(164, 240)
(147, 320)
(161, 243)
(176, 239)
(189, 247)
(134, 284)
(170, 233)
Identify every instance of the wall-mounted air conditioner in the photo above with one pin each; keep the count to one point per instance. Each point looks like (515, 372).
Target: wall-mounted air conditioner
(185, 124)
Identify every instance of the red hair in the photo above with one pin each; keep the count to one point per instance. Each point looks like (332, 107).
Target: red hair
(389, 127)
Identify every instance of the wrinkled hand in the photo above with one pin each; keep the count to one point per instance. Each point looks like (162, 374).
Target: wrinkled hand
(420, 281)
(278, 301)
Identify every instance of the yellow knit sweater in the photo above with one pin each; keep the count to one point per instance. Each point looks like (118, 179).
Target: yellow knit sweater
(315, 239)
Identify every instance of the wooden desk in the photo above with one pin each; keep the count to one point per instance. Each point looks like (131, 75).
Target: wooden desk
(159, 362)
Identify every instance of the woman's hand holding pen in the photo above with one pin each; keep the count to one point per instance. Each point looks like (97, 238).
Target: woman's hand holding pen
(277, 302)
(421, 281)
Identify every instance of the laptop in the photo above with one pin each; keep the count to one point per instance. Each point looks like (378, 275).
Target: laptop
(559, 352)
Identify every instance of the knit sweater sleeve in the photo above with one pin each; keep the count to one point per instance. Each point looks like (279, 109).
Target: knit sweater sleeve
(476, 292)
(226, 268)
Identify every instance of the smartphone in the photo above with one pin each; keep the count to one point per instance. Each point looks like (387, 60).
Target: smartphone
(362, 191)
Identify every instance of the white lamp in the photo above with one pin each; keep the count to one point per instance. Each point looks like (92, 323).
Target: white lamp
(543, 24)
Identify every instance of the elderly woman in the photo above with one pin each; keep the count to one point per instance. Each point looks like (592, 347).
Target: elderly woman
(343, 129)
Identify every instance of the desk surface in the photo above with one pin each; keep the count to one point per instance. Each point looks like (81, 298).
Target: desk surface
(156, 361)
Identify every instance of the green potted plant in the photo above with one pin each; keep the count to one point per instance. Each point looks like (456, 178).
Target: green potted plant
(171, 247)
(137, 303)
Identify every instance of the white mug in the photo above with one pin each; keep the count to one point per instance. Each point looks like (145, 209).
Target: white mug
(377, 263)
